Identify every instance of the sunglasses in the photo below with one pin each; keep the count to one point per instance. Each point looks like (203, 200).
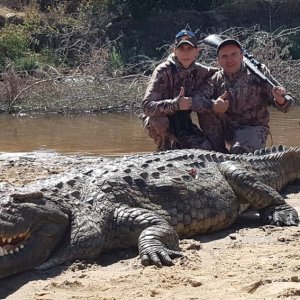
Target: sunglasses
(185, 32)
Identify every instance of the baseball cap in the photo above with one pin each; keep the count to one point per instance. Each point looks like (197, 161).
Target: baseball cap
(229, 42)
(186, 37)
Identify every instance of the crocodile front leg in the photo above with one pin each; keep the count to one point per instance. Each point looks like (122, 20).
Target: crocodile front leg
(156, 238)
(157, 244)
(247, 186)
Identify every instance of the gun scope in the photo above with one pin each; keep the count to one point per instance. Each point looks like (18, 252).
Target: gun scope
(249, 56)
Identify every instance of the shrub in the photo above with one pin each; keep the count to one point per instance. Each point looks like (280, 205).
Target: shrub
(14, 43)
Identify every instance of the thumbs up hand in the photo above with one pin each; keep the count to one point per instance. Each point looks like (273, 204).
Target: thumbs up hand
(221, 104)
(184, 103)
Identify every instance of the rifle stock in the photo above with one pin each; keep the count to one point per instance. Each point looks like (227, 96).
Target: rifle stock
(252, 65)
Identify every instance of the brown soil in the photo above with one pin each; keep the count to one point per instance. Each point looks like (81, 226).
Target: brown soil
(247, 261)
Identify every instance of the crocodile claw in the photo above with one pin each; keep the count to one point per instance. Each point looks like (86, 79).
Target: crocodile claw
(156, 253)
(282, 215)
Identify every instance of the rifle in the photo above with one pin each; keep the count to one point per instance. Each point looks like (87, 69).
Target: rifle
(251, 63)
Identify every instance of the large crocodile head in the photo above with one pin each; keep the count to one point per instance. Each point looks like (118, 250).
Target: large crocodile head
(28, 222)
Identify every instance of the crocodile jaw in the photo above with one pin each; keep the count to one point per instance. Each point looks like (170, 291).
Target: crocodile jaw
(28, 235)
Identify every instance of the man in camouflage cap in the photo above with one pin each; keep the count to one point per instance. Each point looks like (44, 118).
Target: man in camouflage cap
(167, 102)
(242, 119)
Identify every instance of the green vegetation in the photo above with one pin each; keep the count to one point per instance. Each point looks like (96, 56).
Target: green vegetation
(17, 43)
(14, 44)
(67, 33)
(110, 42)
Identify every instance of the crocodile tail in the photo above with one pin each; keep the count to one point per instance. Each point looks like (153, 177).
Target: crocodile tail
(270, 150)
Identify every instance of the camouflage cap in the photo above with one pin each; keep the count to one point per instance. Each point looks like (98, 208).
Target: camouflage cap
(186, 37)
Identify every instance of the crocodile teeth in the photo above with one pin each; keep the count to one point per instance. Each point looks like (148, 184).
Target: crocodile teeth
(9, 240)
(4, 251)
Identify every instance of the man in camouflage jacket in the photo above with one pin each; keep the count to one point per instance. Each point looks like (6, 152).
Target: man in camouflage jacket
(242, 119)
(167, 102)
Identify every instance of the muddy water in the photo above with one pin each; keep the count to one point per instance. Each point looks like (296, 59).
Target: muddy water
(106, 134)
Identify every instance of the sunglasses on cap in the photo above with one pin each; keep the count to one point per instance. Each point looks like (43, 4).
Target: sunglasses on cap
(185, 32)
(186, 37)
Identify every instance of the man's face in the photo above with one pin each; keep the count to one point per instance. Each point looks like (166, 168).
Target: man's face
(186, 54)
(230, 58)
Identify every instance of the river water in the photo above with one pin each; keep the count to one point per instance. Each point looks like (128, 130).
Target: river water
(107, 134)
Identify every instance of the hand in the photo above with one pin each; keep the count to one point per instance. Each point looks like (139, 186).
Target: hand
(221, 104)
(184, 103)
(278, 93)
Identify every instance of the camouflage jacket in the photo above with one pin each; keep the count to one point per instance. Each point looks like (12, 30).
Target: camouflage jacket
(249, 96)
(161, 97)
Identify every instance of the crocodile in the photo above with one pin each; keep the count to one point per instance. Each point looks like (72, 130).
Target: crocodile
(148, 201)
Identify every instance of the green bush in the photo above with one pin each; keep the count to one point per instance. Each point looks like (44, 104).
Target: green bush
(14, 43)
(33, 61)
(18, 44)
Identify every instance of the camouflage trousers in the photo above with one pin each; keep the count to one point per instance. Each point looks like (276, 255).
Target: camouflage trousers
(227, 134)
(244, 138)
(158, 128)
